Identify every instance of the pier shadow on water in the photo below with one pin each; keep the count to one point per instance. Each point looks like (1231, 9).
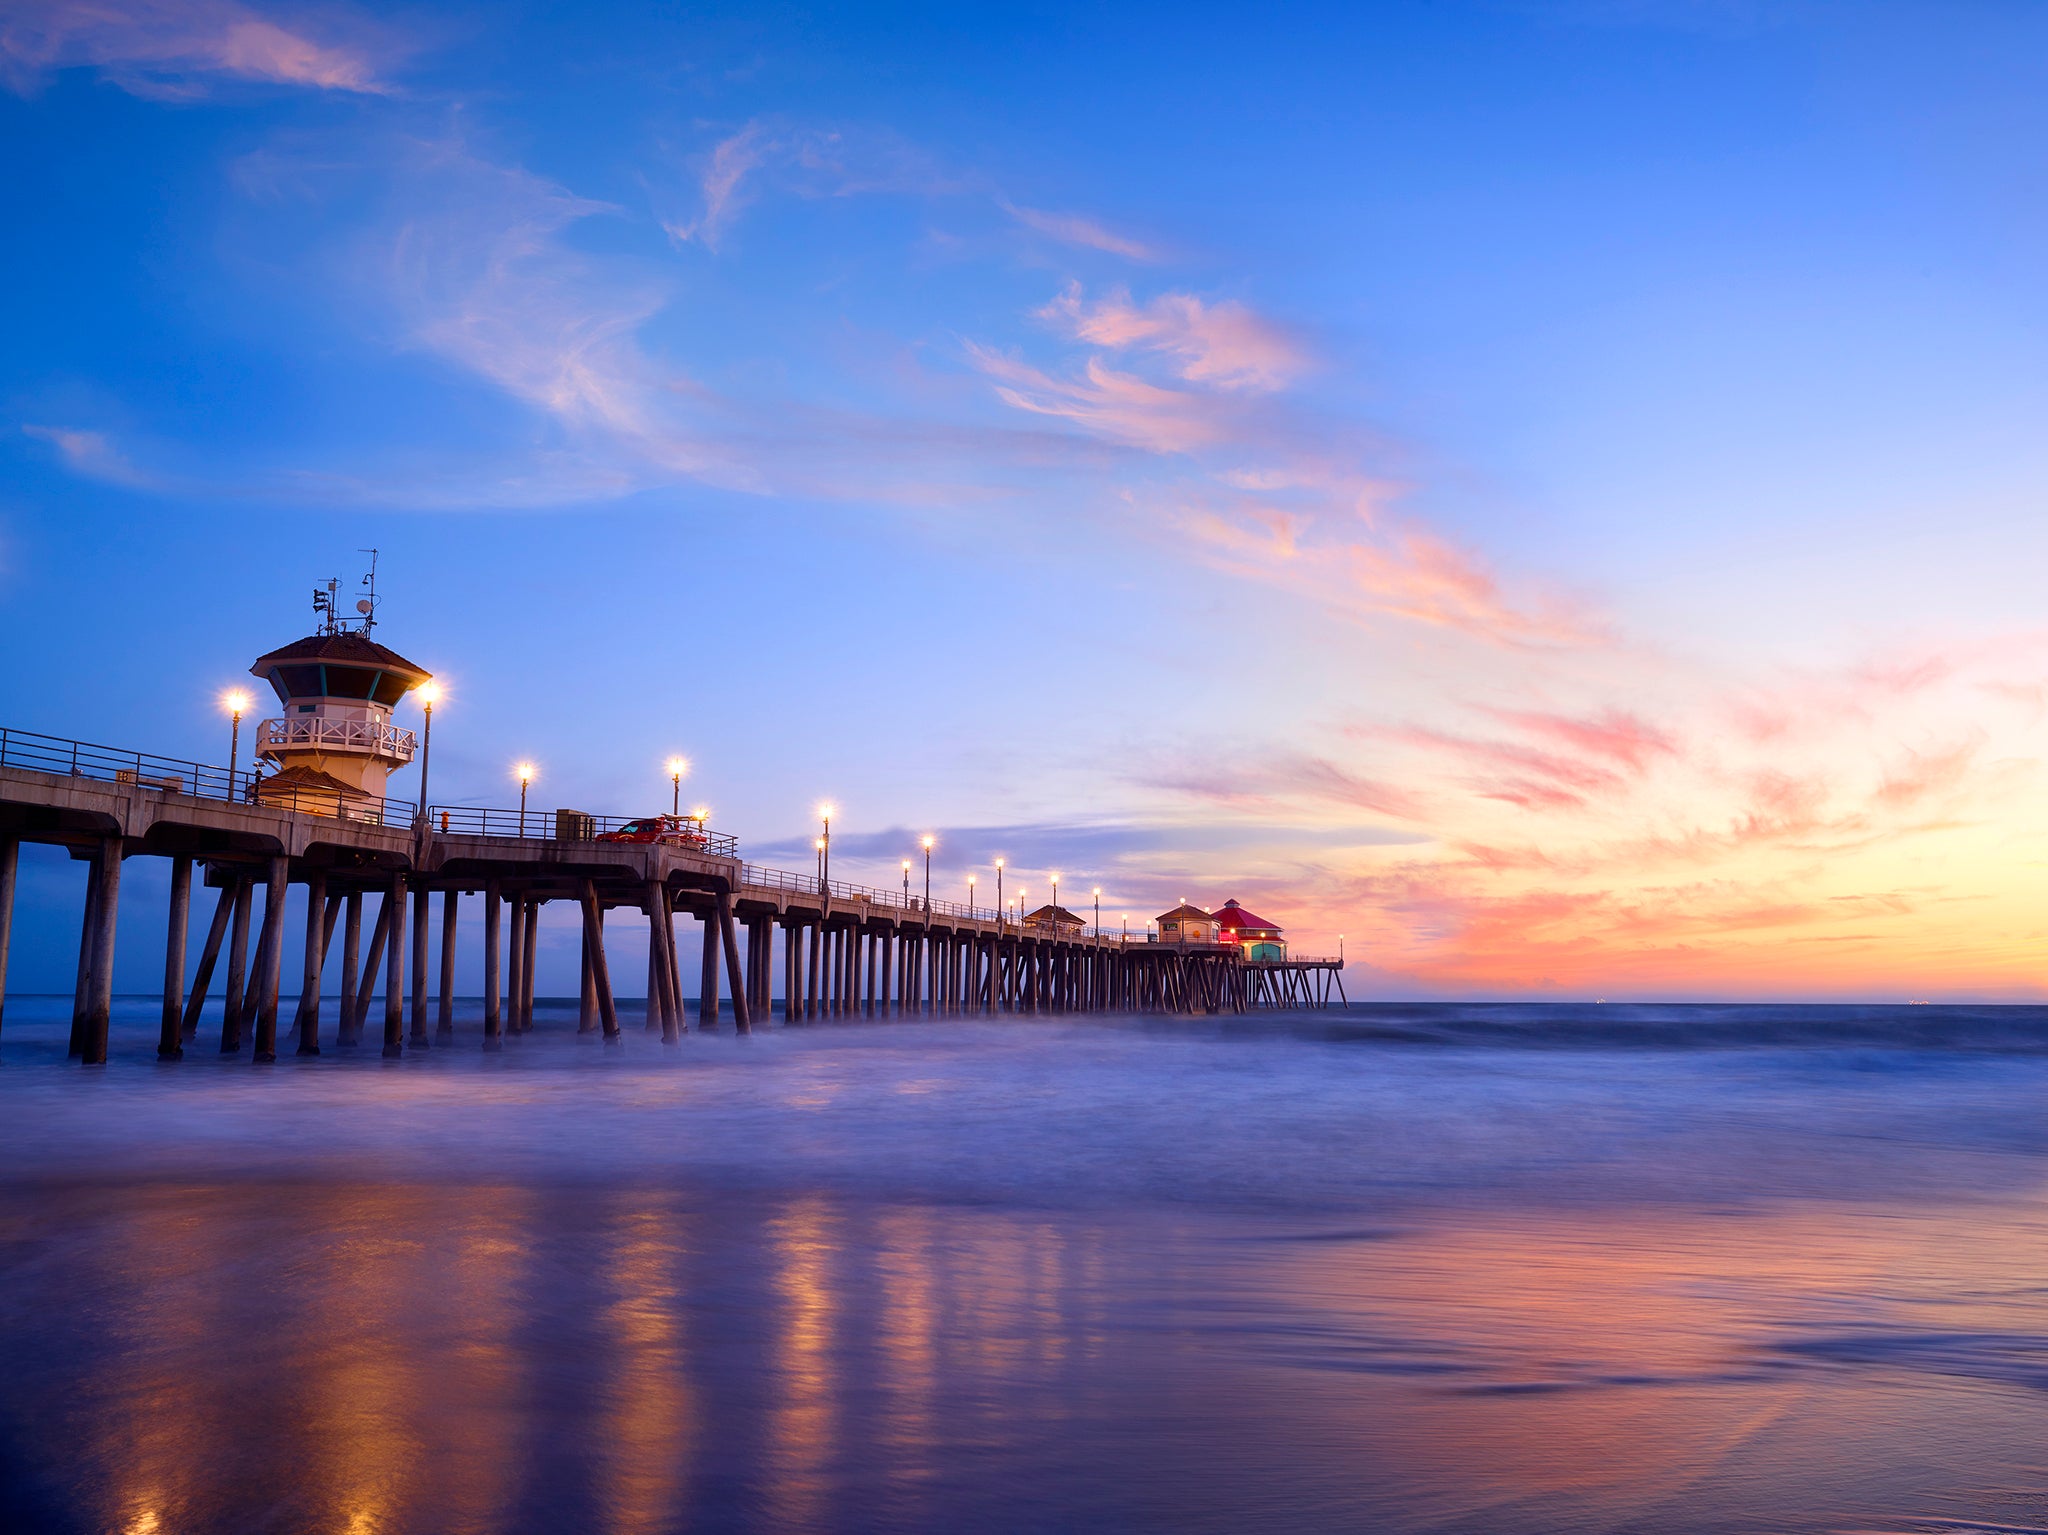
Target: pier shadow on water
(1023, 1276)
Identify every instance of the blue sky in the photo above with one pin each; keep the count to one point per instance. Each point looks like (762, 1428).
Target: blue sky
(1549, 490)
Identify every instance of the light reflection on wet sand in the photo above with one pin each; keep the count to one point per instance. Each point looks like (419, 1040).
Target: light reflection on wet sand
(373, 1358)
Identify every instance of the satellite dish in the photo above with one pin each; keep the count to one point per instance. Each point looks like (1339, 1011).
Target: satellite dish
(363, 605)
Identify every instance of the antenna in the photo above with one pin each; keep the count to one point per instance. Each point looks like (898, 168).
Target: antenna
(367, 606)
(326, 606)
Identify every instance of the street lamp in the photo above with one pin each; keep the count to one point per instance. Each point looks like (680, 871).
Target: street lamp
(1022, 915)
(525, 772)
(430, 694)
(928, 878)
(825, 850)
(1000, 907)
(970, 897)
(1055, 900)
(234, 700)
(906, 884)
(677, 766)
(1098, 909)
(818, 845)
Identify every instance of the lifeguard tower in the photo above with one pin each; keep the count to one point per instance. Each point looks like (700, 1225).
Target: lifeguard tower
(334, 747)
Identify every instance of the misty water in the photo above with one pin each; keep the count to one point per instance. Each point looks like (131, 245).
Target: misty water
(1388, 1268)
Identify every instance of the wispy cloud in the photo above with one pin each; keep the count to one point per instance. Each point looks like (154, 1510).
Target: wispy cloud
(175, 48)
(1224, 345)
(93, 455)
(1078, 230)
(812, 161)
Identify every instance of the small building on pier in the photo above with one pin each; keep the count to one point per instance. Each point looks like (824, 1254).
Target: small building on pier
(1259, 939)
(1054, 920)
(1187, 924)
(334, 748)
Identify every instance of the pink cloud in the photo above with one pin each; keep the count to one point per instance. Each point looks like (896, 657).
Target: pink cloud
(1074, 229)
(1225, 346)
(1108, 404)
(171, 48)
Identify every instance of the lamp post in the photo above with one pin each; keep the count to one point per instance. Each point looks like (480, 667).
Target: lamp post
(677, 766)
(906, 884)
(1023, 917)
(928, 879)
(429, 695)
(825, 851)
(970, 897)
(525, 771)
(234, 701)
(1055, 900)
(1001, 909)
(1098, 910)
(818, 845)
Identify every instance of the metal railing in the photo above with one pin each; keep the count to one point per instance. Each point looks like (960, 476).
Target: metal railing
(564, 826)
(313, 732)
(315, 799)
(174, 775)
(760, 877)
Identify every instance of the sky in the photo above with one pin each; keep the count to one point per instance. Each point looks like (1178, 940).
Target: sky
(1549, 490)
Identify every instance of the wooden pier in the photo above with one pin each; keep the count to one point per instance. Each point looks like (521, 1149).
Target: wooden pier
(845, 950)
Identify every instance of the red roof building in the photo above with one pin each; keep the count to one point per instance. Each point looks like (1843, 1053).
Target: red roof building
(1259, 938)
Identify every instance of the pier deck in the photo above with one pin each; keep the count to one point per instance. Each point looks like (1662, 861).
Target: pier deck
(845, 949)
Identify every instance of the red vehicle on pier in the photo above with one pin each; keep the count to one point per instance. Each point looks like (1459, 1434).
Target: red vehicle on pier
(673, 830)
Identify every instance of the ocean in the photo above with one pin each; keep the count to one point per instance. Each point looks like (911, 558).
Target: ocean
(1383, 1268)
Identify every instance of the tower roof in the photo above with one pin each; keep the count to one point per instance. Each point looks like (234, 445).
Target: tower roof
(347, 649)
(1235, 916)
(1057, 915)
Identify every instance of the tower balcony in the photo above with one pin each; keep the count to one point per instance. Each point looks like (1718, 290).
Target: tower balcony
(315, 733)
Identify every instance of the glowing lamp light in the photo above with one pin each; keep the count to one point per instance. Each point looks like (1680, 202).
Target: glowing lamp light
(524, 773)
(927, 843)
(678, 766)
(234, 700)
(827, 811)
(428, 693)
(700, 813)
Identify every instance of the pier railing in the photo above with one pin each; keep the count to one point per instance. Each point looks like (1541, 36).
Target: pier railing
(175, 775)
(308, 732)
(565, 826)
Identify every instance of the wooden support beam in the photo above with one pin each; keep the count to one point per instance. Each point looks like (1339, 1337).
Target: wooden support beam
(234, 1003)
(81, 986)
(373, 966)
(100, 1000)
(270, 958)
(527, 964)
(742, 1019)
(707, 975)
(169, 1045)
(515, 961)
(493, 996)
(655, 1020)
(586, 1007)
(419, 1039)
(444, 1020)
(607, 1011)
(317, 918)
(346, 1026)
(209, 952)
(394, 969)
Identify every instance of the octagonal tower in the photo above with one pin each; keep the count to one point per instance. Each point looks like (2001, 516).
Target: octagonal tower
(334, 747)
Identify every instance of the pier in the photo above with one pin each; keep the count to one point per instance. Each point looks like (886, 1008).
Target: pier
(844, 951)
